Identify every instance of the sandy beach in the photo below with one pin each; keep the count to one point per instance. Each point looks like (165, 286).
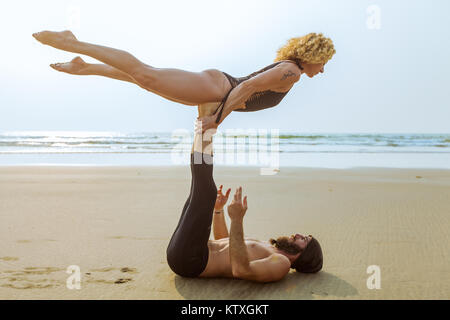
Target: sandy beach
(115, 223)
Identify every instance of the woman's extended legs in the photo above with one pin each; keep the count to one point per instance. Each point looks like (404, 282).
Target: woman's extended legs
(78, 66)
(65, 40)
(179, 85)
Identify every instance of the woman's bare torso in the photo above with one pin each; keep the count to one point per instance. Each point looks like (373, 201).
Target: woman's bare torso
(219, 264)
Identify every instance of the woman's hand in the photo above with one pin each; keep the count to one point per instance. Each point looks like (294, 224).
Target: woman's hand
(237, 208)
(221, 199)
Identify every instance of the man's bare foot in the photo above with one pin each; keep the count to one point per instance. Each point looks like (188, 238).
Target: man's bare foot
(75, 66)
(59, 40)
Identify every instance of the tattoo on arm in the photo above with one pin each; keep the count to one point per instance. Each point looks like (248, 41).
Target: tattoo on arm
(220, 229)
(287, 74)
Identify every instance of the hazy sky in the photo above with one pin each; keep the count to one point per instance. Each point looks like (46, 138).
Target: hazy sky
(394, 78)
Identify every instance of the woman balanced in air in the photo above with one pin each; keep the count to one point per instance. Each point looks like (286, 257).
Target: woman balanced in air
(262, 89)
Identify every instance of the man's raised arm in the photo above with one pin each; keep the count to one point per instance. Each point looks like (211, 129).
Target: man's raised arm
(238, 250)
(220, 229)
(269, 269)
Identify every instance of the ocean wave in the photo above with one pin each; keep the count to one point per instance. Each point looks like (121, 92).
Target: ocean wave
(165, 142)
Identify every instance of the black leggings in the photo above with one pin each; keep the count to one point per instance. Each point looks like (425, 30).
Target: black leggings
(187, 253)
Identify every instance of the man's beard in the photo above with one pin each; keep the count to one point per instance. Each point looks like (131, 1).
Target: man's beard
(284, 244)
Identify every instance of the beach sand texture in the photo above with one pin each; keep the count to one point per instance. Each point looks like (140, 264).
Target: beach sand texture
(115, 223)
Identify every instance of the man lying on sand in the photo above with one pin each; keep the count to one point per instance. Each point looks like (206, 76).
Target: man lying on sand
(190, 252)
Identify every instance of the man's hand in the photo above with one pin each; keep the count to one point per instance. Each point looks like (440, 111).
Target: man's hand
(237, 208)
(221, 199)
(207, 122)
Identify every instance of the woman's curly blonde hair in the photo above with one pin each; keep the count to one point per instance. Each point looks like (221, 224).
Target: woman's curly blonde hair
(311, 48)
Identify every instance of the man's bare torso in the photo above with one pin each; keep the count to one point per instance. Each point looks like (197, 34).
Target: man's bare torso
(219, 264)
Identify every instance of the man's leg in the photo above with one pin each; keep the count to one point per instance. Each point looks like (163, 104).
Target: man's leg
(187, 253)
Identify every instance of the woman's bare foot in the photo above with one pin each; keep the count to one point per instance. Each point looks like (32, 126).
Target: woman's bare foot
(75, 66)
(59, 40)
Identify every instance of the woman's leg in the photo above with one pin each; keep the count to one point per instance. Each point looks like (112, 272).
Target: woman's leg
(77, 66)
(66, 41)
(179, 85)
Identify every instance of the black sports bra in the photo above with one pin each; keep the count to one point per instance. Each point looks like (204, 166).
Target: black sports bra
(258, 100)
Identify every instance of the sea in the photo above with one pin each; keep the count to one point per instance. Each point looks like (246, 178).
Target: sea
(256, 147)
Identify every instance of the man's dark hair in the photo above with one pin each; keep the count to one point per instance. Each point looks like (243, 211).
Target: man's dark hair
(311, 259)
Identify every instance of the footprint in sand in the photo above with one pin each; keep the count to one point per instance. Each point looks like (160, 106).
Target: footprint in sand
(113, 270)
(39, 270)
(118, 281)
(129, 270)
(39, 240)
(106, 269)
(130, 238)
(9, 258)
(121, 280)
(38, 277)
(23, 241)
(33, 271)
(27, 286)
(26, 278)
